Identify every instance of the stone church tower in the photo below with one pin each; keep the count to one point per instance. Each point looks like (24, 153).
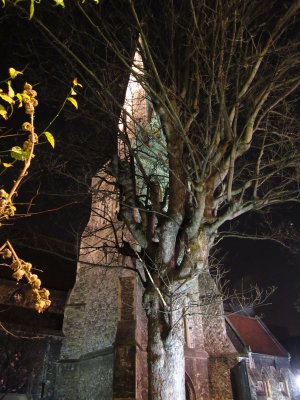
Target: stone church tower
(104, 353)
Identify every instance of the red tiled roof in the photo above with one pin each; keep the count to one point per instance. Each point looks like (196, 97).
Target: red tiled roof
(255, 334)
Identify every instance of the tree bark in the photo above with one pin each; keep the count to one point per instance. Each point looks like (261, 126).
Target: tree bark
(166, 363)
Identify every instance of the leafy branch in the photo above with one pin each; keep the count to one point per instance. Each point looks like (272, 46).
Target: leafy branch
(27, 98)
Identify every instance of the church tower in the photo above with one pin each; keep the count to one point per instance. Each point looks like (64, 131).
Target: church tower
(104, 352)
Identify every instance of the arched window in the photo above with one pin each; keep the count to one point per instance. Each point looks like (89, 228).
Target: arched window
(283, 385)
(189, 388)
(266, 384)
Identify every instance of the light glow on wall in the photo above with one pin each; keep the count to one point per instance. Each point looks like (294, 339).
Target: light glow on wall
(298, 381)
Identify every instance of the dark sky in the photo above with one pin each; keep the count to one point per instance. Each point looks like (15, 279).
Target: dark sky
(268, 264)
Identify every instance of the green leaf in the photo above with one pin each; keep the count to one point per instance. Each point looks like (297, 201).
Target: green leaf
(50, 138)
(3, 112)
(73, 101)
(13, 73)
(19, 154)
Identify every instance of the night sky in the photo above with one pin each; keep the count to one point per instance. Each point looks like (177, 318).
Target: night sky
(268, 263)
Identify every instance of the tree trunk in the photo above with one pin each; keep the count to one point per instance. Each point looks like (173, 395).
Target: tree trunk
(166, 363)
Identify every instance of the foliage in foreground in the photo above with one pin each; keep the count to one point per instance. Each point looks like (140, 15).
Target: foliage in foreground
(23, 154)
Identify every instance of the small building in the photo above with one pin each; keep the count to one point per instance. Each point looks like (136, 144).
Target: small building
(263, 370)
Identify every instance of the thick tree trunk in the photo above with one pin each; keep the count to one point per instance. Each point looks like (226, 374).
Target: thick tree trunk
(166, 363)
(166, 372)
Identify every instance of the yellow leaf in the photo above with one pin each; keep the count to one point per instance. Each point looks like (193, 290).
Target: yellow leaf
(73, 101)
(7, 165)
(3, 3)
(11, 91)
(31, 12)
(6, 98)
(50, 138)
(73, 93)
(25, 96)
(19, 97)
(13, 73)
(3, 112)
(59, 3)
(76, 83)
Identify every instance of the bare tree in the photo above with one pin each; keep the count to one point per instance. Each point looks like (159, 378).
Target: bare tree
(222, 90)
(221, 79)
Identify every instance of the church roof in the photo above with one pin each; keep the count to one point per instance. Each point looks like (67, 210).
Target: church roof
(254, 334)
